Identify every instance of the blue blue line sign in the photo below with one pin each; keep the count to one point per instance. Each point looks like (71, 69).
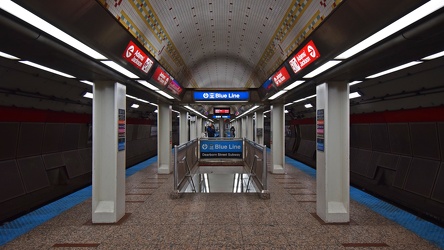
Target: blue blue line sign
(220, 149)
(221, 96)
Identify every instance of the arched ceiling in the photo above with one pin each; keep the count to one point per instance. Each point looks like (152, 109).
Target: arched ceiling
(220, 44)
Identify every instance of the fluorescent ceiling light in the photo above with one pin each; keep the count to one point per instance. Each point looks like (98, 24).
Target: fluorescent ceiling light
(88, 95)
(354, 95)
(153, 104)
(8, 56)
(286, 111)
(394, 69)
(190, 108)
(156, 111)
(35, 65)
(267, 111)
(322, 68)
(303, 99)
(138, 99)
(288, 104)
(308, 105)
(135, 106)
(294, 85)
(165, 94)
(439, 54)
(148, 85)
(87, 82)
(27, 16)
(401, 23)
(120, 69)
(277, 95)
(354, 82)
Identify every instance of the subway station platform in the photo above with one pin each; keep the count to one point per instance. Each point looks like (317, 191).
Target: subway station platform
(220, 220)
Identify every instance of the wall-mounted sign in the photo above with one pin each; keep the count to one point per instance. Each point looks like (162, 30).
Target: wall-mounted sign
(137, 57)
(308, 54)
(121, 133)
(320, 125)
(175, 87)
(221, 96)
(221, 110)
(161, 77)
(221, 149)
(281, 76)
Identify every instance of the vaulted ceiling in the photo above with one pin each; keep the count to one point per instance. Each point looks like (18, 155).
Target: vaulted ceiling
(221, 43)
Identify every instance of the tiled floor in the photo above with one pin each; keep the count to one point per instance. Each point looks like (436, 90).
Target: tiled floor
(219, 221)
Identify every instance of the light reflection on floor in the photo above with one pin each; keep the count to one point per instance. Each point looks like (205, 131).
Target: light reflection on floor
(220, 179)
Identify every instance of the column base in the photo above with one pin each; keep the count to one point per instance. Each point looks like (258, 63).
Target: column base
(278, 169)
(164, 169)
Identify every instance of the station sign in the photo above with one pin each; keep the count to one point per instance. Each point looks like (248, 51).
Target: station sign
(175, 87)
(221, 96)
(161, 77)
(281, 77)
(221, 149)
(138, 58)
(308, 54)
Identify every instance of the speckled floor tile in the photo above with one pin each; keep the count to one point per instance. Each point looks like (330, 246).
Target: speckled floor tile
(221, 235)
(263, 234)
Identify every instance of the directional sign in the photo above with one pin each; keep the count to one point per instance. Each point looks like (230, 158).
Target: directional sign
(221, 149)
(308, 54)
(137, 57)
(221, 96)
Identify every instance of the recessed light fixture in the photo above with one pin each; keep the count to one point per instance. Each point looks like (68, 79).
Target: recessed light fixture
(308, 105)
(322, 68)
(354, 95)
(394, 69)
(120, 69)
(35, 65)
(439, 54)
(148, 85)
(29, 17)
(415, 15)
(88, 95)
(87, 82)
(135, 106)
(8, 56)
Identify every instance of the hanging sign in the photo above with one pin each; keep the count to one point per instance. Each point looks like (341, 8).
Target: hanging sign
(221, 96)
(281, 76)
(137, 58)
(308, 54)
(161, 77)
(175, 87)
(221, 149)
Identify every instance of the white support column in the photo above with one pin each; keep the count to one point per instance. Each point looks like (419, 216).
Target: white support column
(259, 126)
(183, 127)
(199, 126)
(221, 128)
(193, 128)
(108, 180)
(243, 127)
(249, 123)
(164, 138)
(277, 139)
(332, 155)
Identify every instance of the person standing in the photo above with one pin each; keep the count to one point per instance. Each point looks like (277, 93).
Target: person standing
(232, 130)
(210, 130)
